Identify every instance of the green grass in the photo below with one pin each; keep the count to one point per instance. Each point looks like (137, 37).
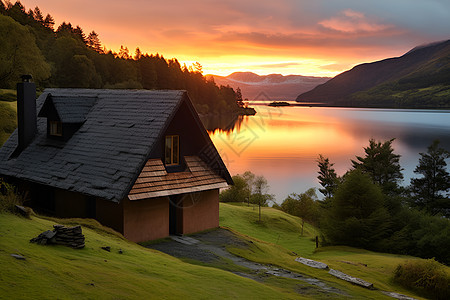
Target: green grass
(8, 109)
(373, 267)
(8, 95)
(58, 272)
(276, 227)
(8, 120)
(140, 273)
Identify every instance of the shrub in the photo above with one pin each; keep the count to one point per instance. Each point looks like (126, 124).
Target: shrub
(238, 192)
(427, 277)
(9, 199)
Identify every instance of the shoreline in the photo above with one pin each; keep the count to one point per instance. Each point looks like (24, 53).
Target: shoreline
(370, 107)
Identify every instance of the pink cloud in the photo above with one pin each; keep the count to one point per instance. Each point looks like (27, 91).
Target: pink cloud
(350, 21)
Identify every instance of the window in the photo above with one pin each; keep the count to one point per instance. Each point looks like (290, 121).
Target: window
(172, 150)
(55, 128)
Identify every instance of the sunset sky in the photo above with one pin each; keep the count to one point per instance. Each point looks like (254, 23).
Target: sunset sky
(304, 37)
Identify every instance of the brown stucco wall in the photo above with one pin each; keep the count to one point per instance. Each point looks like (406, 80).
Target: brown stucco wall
(145, 220)
(110, 214)
(201, 211)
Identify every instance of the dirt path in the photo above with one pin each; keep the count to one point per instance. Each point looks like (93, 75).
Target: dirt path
(209, 248)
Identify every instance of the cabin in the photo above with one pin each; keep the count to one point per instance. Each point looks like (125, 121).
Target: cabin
(138, 161)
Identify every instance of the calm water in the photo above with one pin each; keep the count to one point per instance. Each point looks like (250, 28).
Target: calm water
(282, 143)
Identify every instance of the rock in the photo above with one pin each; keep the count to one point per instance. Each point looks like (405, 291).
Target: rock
(398, 296)
(17, 256)
(312, 263)
(61, 235)
(22, 211)
(48, 234)
(351, 279)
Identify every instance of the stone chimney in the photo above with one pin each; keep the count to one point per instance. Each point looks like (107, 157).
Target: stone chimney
(26, 112)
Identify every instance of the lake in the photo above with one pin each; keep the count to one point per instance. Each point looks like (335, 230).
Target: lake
(283, 143)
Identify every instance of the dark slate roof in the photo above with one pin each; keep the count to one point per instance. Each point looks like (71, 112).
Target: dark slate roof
(105, 156)
(69, 109)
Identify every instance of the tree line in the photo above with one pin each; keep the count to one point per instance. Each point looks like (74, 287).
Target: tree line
(368, 207)
(65, 56)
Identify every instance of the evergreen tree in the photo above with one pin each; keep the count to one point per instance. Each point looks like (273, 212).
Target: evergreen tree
(239, 100)
(137, 54)
(356, 216)
(328, 178)
(38, 15)
(432, 190)
(49, 22)
(93, 42)
(382, 165)
(78, 32)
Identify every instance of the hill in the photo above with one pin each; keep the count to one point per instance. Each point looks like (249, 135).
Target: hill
(58, 272)
(274, 86)
(418, 79)
(61, 272)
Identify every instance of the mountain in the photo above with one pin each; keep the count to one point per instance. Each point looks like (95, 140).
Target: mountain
(269, 87)
(418, 79)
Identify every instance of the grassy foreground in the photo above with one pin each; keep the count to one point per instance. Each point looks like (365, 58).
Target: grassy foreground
(51, 272)
(58, 272)
(373, 267)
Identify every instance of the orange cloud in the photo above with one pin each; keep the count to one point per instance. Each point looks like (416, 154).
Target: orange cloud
(350, 21)
(284, 36)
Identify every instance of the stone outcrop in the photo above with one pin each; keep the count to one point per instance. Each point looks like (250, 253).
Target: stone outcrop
(312, 263)
(351, 279)
(61, 235)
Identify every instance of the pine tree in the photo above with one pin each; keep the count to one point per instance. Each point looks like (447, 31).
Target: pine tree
(49, 22)
(432, 190)
(38, 15)
(93, 42)
(137, 54)
(356, 216)
(239, 97)
(328, 178)
(382, 165)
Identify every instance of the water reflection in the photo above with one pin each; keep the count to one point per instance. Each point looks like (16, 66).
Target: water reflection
(283, 143)
(222, 123)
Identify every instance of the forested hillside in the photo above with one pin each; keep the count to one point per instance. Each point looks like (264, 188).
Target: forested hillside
(417, 79)
(65, 56)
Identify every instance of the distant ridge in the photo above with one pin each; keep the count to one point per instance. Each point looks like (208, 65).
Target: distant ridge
(418, 79)
(269, 87)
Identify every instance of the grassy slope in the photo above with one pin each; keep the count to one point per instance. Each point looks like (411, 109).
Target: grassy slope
(59, 272)
(276, 227)
(8, 120)
(379, 269)
(8, 109)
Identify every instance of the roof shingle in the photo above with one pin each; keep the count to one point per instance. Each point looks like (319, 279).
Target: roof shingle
(107, 152)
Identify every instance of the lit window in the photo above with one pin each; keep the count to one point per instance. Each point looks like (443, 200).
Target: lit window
(172, 150)
(55, 128)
